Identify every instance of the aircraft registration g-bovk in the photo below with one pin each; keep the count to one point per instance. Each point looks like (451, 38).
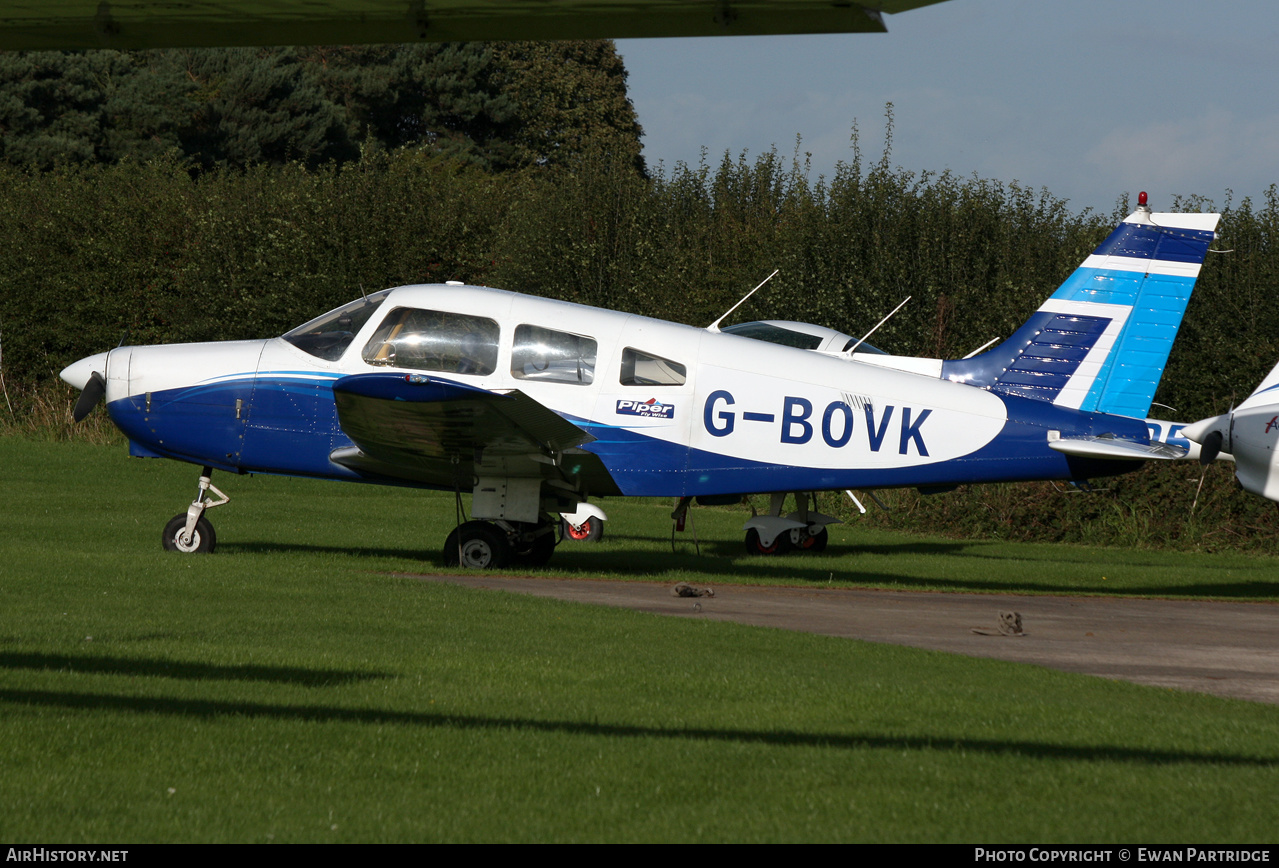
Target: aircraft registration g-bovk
(534, 406)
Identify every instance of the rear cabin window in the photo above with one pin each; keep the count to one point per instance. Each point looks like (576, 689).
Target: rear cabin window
(551, 356)
(434, 340)
(645, 369)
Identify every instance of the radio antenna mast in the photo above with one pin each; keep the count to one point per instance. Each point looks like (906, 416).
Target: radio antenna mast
(714, 327)
(854, 347)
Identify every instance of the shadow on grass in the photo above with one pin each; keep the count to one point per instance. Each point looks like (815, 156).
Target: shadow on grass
(726, 562)
(979, 549)
(211, 709)
(181, 670)
(839, 566)
(262, 548)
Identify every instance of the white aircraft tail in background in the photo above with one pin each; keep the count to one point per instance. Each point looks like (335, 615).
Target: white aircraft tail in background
(1249, 436)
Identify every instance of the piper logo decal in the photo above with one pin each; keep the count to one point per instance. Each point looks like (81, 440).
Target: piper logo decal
(651, 409)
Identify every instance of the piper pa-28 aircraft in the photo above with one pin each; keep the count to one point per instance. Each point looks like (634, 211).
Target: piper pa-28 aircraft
(534, 405)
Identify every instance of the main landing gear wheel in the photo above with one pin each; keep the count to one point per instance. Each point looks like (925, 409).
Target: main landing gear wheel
(591, 530)
(755, 547)
(537, 552)
(483, 546)
(803, 540)
(203, 539)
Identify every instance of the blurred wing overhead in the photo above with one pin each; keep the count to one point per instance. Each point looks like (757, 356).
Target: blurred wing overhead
(27, 25)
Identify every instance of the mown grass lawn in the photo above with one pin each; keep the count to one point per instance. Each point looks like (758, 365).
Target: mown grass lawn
(295, 687)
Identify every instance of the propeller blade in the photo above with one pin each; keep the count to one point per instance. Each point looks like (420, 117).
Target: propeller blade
(1210, 448)
(89, 398)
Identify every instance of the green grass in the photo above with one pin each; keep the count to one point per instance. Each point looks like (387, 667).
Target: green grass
(297, 686)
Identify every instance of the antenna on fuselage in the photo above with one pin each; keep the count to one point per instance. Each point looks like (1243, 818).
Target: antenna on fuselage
(982, 347)
(714, 327)
(854, 347)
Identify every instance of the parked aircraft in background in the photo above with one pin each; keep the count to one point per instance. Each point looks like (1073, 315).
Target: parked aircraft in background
(1248, 436)
(534, 406)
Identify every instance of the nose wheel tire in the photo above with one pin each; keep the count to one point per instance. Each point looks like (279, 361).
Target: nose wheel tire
(203, 539)
(591, 530)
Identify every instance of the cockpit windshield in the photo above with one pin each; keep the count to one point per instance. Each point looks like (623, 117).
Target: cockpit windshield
(328, 336)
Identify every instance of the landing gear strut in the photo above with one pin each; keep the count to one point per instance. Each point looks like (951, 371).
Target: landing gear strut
(190, 531)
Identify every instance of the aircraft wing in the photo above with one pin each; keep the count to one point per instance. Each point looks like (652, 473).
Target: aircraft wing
(27, 25)
(1119, 450)
(427, 429)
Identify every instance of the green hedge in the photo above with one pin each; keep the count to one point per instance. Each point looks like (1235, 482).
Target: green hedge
(147, 253)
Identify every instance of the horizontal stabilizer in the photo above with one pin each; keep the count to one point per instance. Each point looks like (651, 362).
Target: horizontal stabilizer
(1118, 450)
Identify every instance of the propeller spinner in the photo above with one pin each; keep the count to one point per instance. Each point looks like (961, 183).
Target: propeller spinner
(87, 375)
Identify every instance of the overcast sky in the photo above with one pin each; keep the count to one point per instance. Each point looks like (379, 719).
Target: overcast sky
(1090, 98)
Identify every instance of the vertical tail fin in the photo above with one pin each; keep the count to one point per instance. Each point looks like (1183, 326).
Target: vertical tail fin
(1101, 341)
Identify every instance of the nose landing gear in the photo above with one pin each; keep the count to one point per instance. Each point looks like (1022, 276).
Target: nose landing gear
(190, 531)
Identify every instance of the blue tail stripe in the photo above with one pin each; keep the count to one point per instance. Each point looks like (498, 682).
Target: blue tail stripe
(1057, 353)
(1152, 242)
(1126, 388)
(1040, 367)
(1038, 360)
(1047, 393)
(1102, 285)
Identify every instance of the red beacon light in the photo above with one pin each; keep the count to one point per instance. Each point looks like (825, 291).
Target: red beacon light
(1141, 199)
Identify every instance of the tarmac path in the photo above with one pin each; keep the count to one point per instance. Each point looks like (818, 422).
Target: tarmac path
(1223, 648)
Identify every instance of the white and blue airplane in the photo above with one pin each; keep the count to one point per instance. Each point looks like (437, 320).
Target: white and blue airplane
(535, 406)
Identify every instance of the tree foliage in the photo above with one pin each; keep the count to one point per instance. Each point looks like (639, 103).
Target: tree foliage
(498, 106)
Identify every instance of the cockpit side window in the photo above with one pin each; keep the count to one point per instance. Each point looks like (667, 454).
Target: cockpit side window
(645, 369)
(863, 347)
(547, 355)
(762, 331)
(328, 336)
(433, 340)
